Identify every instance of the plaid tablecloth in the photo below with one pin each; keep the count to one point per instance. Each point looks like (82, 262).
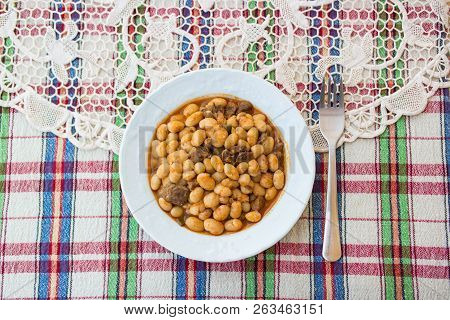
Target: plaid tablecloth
(66, 233)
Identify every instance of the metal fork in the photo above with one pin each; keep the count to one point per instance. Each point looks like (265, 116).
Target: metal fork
(332, 126)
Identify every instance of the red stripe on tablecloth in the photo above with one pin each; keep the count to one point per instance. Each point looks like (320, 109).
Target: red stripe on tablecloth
(422, 170)
(351, 187)
(290, 267)
(284, 248)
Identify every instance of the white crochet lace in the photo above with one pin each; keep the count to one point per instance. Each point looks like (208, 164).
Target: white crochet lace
(79, 69)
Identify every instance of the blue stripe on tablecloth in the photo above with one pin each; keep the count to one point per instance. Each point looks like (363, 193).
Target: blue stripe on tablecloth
(338, 278)
(317, 236)
(69, 157)
(46, 221)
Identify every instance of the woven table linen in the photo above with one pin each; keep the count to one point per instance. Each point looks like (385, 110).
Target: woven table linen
(66, 232)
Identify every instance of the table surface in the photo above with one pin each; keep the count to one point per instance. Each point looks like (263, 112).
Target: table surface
(65, 231)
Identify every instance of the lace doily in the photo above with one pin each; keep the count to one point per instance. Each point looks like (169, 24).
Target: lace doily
(80, 68)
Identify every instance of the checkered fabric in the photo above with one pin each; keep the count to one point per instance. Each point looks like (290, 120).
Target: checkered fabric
(66, 233)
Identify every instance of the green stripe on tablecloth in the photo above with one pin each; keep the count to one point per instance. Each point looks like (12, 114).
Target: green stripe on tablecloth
(394, 149)
(7, 60)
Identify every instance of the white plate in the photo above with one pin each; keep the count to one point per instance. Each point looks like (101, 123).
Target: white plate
(274, 225)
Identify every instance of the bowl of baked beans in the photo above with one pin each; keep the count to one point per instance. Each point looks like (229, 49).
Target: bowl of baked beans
(217, 165)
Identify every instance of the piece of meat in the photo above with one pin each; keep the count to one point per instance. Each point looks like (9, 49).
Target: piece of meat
(258, 204)
(227, 156)
(230, 109)
(199, 154)
(175, 194)
(245, 156)
(193, 184)
(244, 106)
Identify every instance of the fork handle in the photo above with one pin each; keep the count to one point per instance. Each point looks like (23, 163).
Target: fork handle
(331, 250)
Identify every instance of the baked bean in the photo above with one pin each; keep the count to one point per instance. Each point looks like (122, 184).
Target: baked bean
(214, 227)
(211, 200)
(206, 181)
(232, 121)
(172, 136)
(162, 132)
(207, 123)
(227, 183)
(273, 162)
(231, 171)
(219, 136)
(185, 132)
(252, 136)
(154, 145)
(266, 180)
(196, 195)
(198, 137)
(268, 145)
(231, 141)
(218, 176)
(205, 214)
(176, 167)
(244, 144)
(271, 193)
(189, 175)
(175, 126)
(208, 166)
(199, 167)
(196, 208)
(253, 168)
(195, 224)
(176, 212)
(241, 133)
(166, 206)
(163, 170)
(246, 189)
(278, 179)
(261, 125)
(242, 167)
(172, 146)
(217, 163)
(177, 117)
(257, 150)
(177, 156)
(258, 190)
(188, 165)
(259, 117)
(221, 213)
(218, 102)
(244, 179)
(165, 181)
(246, 123)
(257, 178)
(233, 225)
(174, 177)
(246, 206)
(263, 163)
(194, 119)
(190, 109)
(224, 200)
(155, 182)
(222, 190)
(236, 209)
(253, 216)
